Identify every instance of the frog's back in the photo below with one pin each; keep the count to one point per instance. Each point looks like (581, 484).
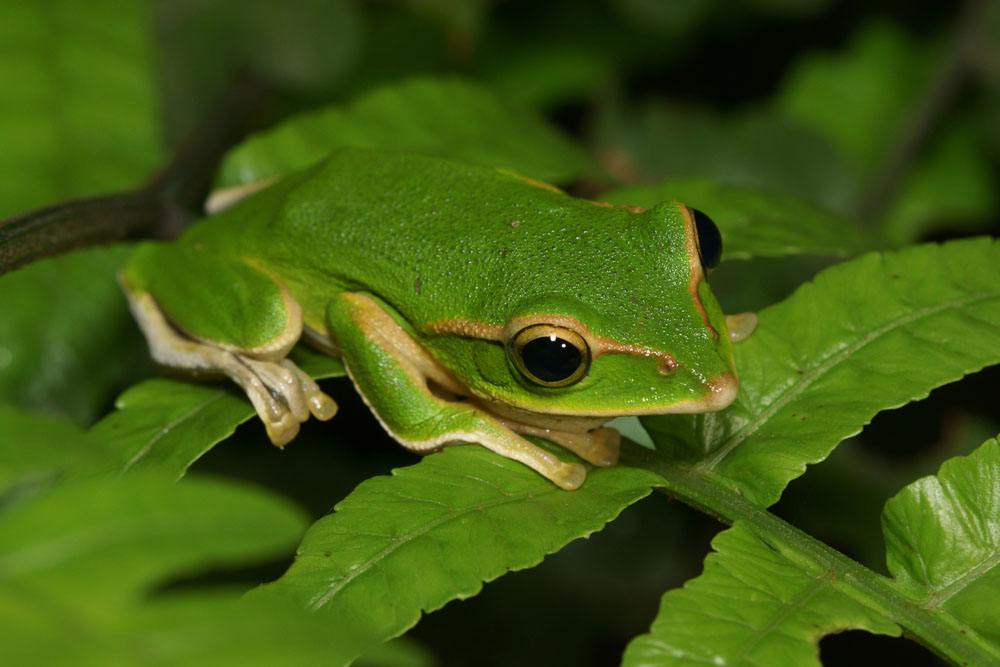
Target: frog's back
(430, 236)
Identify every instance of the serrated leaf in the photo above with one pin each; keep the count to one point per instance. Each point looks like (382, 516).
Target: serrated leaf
(67, 340)
(79, 563)
(754, 222)
(867, 335)
(78, 105)
(752, 605)
(942, 538)
(167, 425)
(437, 530)
(770, 592)
(445, 117)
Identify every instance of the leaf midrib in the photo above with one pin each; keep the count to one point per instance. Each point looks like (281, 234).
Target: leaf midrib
(813, 587)
(320, 601)
(940, 629)
(827, 363)
(941, 595)
(167, 428)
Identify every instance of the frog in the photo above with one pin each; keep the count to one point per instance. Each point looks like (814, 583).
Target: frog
(467, 303)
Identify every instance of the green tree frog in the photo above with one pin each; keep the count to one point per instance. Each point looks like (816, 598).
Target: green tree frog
(468, 304)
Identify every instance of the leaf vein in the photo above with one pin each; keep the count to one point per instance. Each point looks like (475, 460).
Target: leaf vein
(825, 365)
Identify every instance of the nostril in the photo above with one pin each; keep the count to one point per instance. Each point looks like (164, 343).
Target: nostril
(667, 364)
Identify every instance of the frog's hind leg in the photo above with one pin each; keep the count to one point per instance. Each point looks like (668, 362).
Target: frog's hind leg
(207, 314)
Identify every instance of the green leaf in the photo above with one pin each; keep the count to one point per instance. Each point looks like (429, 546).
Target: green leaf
(435, 531)
(544, 74)
(867, 335)
(446, 117)
(755, 147)
(307, 46)
(399, 652)
(952, 185)
(167, 425)
(67, 340)
(752, 605)
(202, 629)
(35, 449)
(770, 592)
(79, 564)
(755, 223)
(78, 105)
(130, 533)
(942, 538)
(861, 96)
(863, 99)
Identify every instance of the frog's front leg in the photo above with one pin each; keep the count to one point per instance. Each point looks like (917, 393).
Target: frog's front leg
(394, 376)
(214, 315)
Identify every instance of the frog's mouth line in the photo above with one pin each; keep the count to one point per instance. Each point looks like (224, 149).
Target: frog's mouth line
(720, 393)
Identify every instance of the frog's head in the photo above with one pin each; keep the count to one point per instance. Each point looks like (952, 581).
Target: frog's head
(616, 320)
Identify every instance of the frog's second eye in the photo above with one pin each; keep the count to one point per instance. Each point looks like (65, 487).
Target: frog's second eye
(549, 355)
(709, 239)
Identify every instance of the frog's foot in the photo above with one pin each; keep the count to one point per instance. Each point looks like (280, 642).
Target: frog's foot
(282, 394)
(283, 397)
(599, 447)
(740, 326)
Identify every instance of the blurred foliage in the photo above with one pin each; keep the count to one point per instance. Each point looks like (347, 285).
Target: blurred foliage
(752, 147)
(79, 108)
(884, 74)
(780, 118)
(67, 341)
(87, 557)
(448, 118)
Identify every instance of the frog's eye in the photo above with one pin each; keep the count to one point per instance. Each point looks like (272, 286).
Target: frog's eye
(709, 239)
(549, 355)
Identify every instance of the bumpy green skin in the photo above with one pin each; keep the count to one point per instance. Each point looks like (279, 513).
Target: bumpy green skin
(439, 240)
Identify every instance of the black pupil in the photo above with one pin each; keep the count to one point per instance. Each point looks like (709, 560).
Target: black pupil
(550, 358)
(709, 239)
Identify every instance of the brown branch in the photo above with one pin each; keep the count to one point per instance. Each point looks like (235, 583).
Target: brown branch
(160, 209)
(936, 100)
(75, 224)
